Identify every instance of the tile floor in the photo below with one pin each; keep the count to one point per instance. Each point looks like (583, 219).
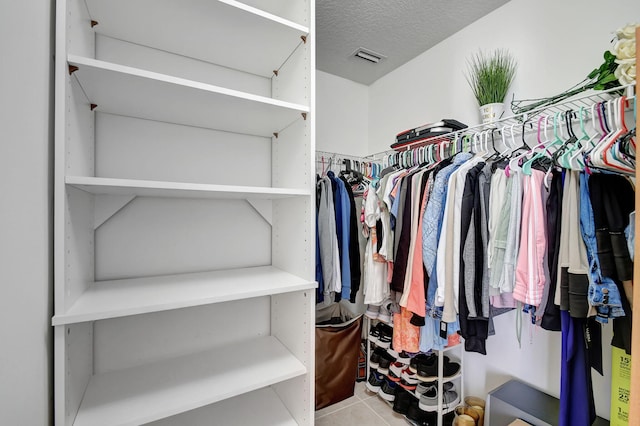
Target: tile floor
(363, 408)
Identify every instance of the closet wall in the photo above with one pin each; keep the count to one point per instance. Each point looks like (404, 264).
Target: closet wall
(26, 106)
(342, 115)
(556, 44)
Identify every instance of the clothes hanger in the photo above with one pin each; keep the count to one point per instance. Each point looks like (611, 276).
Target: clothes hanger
(573, 156)
(567, 142)
(611, 156)
(545, 145)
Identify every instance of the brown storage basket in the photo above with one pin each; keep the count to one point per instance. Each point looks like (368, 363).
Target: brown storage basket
(338, 334)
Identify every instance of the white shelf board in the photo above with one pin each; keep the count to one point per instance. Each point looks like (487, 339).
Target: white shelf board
(155, 391)
(151, 188)
(117, 298)
(124, 90)
(261, 407)
(224, 32)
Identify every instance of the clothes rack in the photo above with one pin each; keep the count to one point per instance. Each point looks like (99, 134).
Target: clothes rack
(519, 124)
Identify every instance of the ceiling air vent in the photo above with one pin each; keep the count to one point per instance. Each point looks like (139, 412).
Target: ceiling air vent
(368, 55)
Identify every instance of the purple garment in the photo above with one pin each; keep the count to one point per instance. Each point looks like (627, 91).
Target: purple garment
(576, 392)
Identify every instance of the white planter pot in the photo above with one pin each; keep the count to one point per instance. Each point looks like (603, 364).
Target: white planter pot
(491, 112)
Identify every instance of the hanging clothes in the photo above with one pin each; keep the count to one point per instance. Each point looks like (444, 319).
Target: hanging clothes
(354, 244)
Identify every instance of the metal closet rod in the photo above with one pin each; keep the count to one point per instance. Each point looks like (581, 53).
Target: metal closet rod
(338, 156)
(519, 119)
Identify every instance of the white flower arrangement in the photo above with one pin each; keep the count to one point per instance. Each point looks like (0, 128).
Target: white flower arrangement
(618, 69)
(624, 50)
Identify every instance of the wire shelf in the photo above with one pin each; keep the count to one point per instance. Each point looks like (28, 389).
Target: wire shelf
(519, 123)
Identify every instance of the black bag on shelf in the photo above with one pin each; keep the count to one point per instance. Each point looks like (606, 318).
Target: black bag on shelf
(427, 131)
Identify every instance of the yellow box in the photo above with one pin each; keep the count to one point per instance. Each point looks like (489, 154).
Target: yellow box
(620, 387)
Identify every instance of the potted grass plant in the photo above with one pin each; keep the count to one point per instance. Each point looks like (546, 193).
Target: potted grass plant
(490, 76)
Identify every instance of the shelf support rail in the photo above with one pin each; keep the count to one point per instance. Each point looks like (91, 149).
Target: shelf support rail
(106, 206)
(264, 208)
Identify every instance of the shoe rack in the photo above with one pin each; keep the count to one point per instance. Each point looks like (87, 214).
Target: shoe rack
(184, 212)
(457, 350)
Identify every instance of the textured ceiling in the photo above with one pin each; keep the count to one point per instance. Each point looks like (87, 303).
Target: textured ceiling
(397, 29)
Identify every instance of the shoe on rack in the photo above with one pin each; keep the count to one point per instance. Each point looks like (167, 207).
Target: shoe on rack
(395, 371)
(376, 356)
(385, 363)
(385, 311)
(408, 380)
(420, 417)
(372, 311)
(404, 358)
(375, 381)
(429, 400)
(423, 387)
(450, 368)
(385, 335)
(420, 359)
(374, 334)
(392, 352)
(404, 400)
(427, 370)
(388, 390)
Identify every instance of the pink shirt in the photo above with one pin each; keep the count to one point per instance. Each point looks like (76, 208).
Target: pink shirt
(531, 267)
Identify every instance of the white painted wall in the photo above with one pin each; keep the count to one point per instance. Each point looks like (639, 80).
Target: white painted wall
(556, 45)
(342, 115)
(25, 227)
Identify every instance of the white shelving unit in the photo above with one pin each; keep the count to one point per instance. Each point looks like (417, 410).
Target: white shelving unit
(133, 92)
(142, 394)
(184, 212)
(118, 298)
(146, 188)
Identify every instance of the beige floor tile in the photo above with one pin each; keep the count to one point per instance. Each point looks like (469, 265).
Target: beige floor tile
(362, 392)
(354, 415)
(337, 406)
(385, 411)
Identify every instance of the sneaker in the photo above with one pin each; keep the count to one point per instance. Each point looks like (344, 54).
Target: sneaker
(374, 334)
(404, 358)
(420, 417)
(384, 313)
(450, 369)
(427, 370)
(384, 363)
(419, 358)
(376, 355)
(408, 380)
(385, 335)
(388, 390)
(392, 353)
(429, 400)
(404, 401)
(395, 369)
(425, 386)
(375, 381)
(372, 311)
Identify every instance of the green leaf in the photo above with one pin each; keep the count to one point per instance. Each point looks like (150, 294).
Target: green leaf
(608, 56)
(593, 73)
(607, 79)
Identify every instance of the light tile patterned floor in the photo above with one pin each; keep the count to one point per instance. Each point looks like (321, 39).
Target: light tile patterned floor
(363, 408)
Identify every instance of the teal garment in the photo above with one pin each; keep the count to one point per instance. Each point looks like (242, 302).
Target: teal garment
(497, 279)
